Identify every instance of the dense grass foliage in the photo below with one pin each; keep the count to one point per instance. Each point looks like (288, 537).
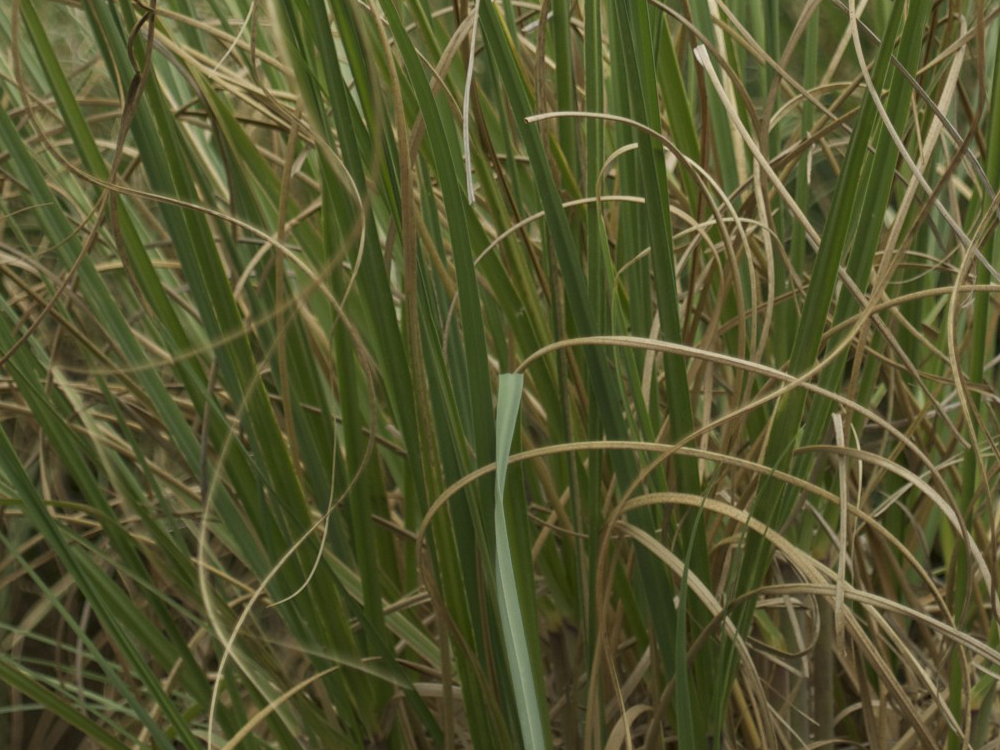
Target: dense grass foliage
(561, 374)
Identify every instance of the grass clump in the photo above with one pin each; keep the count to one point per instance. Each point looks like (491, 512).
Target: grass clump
(414, 374)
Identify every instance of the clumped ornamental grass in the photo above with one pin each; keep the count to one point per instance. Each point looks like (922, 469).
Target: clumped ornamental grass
(413, 374)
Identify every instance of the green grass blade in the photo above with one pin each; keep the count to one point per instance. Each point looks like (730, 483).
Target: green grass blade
(515, 598)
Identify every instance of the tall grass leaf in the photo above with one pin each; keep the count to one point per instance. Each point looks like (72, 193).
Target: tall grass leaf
(519, 628)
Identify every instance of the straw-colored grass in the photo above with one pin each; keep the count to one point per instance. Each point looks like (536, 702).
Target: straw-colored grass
(416, 374)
